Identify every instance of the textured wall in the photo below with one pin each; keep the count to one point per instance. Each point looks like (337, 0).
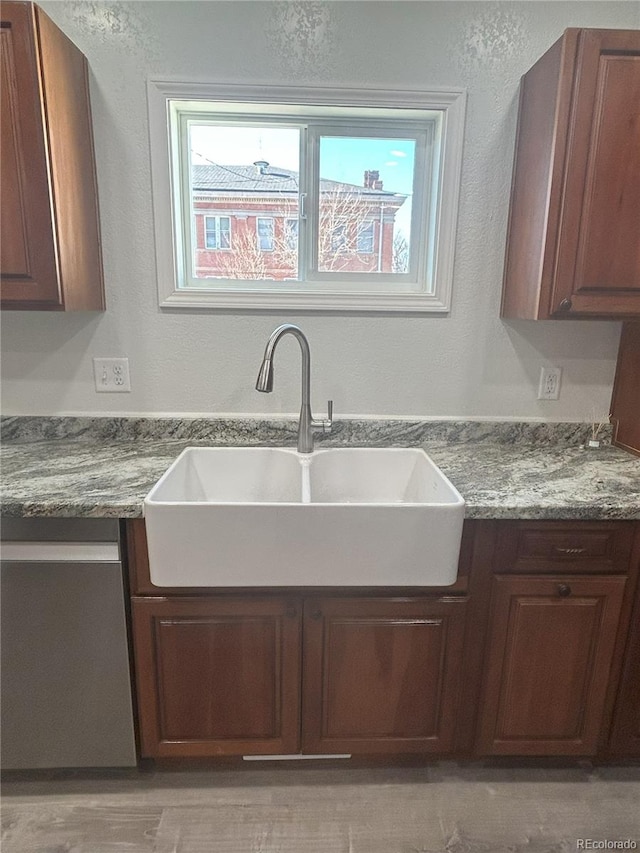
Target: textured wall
(467, 364)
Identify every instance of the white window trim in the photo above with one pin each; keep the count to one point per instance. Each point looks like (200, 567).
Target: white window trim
(452, 103)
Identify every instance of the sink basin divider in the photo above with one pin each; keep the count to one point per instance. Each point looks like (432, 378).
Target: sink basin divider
(305, 472)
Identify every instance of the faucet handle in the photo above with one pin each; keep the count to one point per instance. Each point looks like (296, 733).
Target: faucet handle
(324, 424)
(328, 423)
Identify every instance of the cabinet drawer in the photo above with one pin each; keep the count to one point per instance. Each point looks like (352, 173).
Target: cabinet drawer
(581, 547)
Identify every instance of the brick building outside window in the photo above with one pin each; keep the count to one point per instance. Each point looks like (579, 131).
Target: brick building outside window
(246, 223)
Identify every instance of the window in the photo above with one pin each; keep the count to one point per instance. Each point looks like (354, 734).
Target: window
(264, 229)
(291, 234)
(217, 232)
(366, 238)
(327, 199)
(338, 244)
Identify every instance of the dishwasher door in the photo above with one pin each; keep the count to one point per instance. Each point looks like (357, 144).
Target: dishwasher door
(66, 688)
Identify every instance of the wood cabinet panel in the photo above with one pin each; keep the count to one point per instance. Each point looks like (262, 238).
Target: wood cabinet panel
(548, 664)
(51, 256)
(573, 246)
(28, 260)
(381, 675)
(625, 731)
(609, 258)
(599, 238)
(625, 738)
(625, 403)
(217, 676)
(547, 547)
(13, 250)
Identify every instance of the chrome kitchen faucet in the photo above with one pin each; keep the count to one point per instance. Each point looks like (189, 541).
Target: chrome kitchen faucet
(306, 424)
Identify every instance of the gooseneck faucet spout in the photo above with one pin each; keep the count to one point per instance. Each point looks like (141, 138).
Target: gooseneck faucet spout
(307, 424)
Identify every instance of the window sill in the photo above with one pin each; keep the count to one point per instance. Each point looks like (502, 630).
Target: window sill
(325, 302)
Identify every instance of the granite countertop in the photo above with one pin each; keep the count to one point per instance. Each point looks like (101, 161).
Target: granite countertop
(104, 467)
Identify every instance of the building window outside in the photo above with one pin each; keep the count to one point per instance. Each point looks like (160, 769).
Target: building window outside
(291, 234)
(346, 205)
(366, 237)
(264, 230)
(217, 232)
(338, 240)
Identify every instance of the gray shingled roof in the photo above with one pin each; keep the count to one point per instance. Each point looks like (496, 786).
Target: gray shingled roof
(276, 179)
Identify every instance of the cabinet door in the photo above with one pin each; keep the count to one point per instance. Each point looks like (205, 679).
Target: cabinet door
(27, 254)
(217, 676)
(598, 264)
(550, 651)
(381, 675)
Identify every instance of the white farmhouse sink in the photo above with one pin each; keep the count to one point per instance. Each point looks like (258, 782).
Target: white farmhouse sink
(238, 516)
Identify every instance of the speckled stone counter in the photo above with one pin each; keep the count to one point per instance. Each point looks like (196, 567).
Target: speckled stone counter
(104, 467)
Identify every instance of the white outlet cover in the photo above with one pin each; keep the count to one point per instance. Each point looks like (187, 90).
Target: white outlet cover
(549, 387)
(111, 375)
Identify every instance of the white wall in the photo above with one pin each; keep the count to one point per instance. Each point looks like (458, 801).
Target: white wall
(469, 364)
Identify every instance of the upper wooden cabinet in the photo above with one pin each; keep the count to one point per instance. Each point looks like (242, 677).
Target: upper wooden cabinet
(50, 256)
(573, 246)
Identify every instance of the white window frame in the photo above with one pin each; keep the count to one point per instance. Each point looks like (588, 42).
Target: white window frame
(450, 104)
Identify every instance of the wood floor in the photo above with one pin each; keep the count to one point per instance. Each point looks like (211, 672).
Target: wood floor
(441, 809)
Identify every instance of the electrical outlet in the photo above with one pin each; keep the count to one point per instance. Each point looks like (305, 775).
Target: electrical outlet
(549, 387)
(111, 375)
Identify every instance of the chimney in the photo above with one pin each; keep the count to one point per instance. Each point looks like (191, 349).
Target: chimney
(372, 179)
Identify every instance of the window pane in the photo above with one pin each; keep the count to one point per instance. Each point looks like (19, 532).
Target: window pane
(265, 235)
(366, 238)
(225, 232)
(210, 238)
(364, 217)
(244, 189)
(216, 232)
(291, 233)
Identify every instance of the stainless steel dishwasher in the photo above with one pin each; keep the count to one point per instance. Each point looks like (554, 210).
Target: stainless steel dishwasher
(66, 689)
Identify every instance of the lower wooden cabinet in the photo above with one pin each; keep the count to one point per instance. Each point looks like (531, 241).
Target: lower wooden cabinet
(548, 662)
(381, 675)
(217, 676)
(522, 657)
(225, 676)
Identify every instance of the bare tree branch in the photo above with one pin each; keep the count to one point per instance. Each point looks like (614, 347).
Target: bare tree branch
(348, 222)
(400, 259)
(245, 260)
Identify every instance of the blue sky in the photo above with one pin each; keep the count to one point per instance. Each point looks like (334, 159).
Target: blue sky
(345, 159)
(342, 159)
